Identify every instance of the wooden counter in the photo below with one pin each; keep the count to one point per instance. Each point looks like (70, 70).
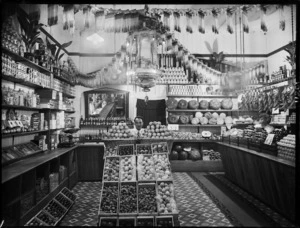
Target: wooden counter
(267, 177)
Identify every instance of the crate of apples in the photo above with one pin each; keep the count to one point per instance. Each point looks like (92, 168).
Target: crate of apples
(111, 150)
(145, 167)
(143, 149)
(166, 198)
(156, 130)
(119, 131)
(126, 150)
(147, 203)
(111, 169)
(128, 199)
(109, 198)
(162, 167)
(159, 148)
(128, 168)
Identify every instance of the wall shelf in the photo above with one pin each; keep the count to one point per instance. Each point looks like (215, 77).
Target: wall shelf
(203, 96)
(27, 62)
(22, 133)
(22, 82)
(20, 107)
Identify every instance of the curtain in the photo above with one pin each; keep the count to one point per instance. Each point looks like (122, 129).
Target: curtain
(153, 110)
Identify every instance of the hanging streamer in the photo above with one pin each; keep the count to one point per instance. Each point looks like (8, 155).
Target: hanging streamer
(229, 13)
(177, 22)
(169, 41)
(263, 24)
(52, 14)
(201, 16)
(71, 19)
(109, 22)
(166, 21)
(245, 19)
(215, 25)
(281, 17)
(99, 20)
(86, 14)
(189, 22)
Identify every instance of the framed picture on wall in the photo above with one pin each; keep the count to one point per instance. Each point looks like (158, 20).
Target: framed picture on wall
(106, 102)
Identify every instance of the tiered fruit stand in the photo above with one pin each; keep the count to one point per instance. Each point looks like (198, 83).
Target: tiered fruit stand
(145, 194)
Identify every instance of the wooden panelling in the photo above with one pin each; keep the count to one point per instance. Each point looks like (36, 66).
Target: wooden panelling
(270, 180)
(90, 163)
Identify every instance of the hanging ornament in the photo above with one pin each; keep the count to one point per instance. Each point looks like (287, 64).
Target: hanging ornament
(86, 17)
(99, 20)
(109, 22)
(179, 55)
(118, 21)
(263, 10)
(65, 22)
(175, 46)
(71, 19)
(52, 14)
(229, 13)
(169, 41)
(215, 26)
(189, 22)
(166, 21)
(245, 20)
(281, 17)
(201, 15)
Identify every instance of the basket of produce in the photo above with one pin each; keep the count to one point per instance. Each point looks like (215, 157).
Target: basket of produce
(111, 169)
(145, 168)
(127, 168)
(46, 218)
(143, 149)
(166, 198)
(269, 149)
(164, 221)
(162, 167)
(203, 104)
(63, 200)
(193, 104)
(128, 199)
(226, 104)
(147, 202)
(161, 147)
(55, 209)
(110, 149)
(109, 199)
(126, 149)
(108, 221)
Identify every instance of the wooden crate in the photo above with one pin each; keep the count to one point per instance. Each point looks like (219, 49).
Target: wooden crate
(109, 221)
(104, 169)
(139, 146)
(172, 195)
(144, 221)
(119, 204)
(133, 162)
(161, 221)
(101, 212)
(157, 149)
(168, 165)
(139, 157)
(153, 187)
(126, 145)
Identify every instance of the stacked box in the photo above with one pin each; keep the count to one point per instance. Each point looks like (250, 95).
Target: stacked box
(36, 121)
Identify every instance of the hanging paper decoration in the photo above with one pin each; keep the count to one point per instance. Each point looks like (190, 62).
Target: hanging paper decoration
(180, 53)
(215, 26)
(86, 17)
(245, 19)
(99, 20)
(281, 17)
(229, 13)
(201, 15)
(172, 22)
(119, 22)
(169, 41)
(52, 14)
(189, 22)
(176, 21)
(69, 18)
(109, 22)
(166, 20)
(175, 46)
(263, 25)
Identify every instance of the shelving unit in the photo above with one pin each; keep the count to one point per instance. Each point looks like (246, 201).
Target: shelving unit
(203, 96)
(22, 133)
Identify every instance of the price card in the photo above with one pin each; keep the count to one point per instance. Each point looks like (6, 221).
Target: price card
(19, 123)
(12, 123)
(275, 111)
(173, 127)
(269, 139)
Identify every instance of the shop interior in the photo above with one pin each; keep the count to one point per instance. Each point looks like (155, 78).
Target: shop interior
(149, 115)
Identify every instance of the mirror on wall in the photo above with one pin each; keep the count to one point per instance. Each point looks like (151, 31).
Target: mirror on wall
(106, 102)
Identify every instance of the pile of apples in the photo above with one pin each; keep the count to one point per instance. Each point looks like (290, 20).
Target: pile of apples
(111, 150)
(145, 168)
(119, 131)
(111, 169)
(162, 167)
(166, 201)
(159, 147)
(156, 130)
(127, 168)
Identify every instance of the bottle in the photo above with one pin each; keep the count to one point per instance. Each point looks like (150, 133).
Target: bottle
(81, 121)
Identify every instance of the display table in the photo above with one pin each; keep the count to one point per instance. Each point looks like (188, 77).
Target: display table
(270, 179)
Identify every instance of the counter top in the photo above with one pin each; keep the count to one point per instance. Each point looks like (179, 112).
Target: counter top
(15, 169)
(267, 156)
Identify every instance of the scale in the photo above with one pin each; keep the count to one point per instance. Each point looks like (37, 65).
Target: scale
(67, 139)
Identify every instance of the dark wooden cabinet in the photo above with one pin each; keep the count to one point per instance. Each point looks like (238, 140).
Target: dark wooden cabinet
(90, 162)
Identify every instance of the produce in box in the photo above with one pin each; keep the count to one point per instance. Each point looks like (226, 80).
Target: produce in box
(46, 218)
(63, 201)
(143, 149)
(111, 150)
(127, 169)
(54, 209)
(165, 198)
(108, 222)
(128, 198)
(126, 150)
(35, 222)
(109, 199)
(159, 147)
(147, 199)
(118, 131)
(162, 167)
(111, 169)
(164, 222)
(157, 130)
(145, 168)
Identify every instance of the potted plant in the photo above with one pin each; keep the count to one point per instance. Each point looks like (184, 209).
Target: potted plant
(216, 58)
(291, 58)
(30, 32)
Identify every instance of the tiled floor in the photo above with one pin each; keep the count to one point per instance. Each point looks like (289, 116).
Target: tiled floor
(197, 205)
